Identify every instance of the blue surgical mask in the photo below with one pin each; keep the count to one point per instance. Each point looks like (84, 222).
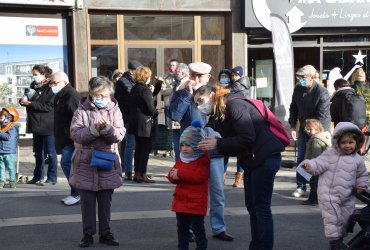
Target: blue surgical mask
(303, 82)
(101, 102)
(225, 81)
(205, 108)
(55, 89)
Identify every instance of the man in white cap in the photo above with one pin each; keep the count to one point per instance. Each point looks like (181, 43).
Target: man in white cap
(310, 101)
(184, 109)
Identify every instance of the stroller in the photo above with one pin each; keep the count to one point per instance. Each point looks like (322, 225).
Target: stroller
(360, 241)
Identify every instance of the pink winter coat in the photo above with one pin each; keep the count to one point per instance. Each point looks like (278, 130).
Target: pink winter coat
(339, 174)
(86, 138)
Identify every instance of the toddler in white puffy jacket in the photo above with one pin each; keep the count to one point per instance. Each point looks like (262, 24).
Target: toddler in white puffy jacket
(340, 170)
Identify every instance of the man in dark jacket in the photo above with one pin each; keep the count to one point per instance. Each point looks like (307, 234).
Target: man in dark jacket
(65, 103)
(310, 101)
(121, 94)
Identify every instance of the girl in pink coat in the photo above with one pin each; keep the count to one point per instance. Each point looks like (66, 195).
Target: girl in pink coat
(340, 170)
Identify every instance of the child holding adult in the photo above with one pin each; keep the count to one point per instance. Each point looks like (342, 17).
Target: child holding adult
(340, 170)
(8, 145)
(190, 174)
(319, 141)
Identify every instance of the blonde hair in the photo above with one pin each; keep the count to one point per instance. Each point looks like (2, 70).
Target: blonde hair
(142, 74)
(316, 124)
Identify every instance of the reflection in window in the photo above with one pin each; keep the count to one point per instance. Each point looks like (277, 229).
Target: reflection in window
(213, 28)
(264, 81)
(183, 55)
(159, 27)
(146, 56)
(104, 60)
(103, 27)
(215, 56)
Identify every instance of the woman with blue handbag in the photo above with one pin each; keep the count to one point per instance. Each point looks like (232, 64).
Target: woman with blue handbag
(96, 129)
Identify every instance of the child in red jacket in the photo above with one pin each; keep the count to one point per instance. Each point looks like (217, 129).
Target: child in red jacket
(191, 173)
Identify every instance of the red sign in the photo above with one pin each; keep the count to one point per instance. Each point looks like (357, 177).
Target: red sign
(47, 30)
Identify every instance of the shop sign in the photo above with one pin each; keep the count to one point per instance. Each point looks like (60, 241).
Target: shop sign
(70, 3)
(308, 13)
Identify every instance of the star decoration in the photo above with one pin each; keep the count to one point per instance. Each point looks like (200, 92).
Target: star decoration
(359, 57)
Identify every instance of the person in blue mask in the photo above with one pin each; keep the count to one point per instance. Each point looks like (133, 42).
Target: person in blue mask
(224, 77)
(66, 102)
(310, 100)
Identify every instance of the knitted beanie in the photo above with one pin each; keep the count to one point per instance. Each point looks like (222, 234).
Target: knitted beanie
(192, 135)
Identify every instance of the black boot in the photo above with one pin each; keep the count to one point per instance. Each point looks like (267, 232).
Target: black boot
(108, 239)
(86, 241)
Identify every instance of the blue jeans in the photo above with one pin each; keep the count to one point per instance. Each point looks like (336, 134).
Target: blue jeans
(129, 148)
(216, 196)
(47, 142)
(7, 161)
(176, 142)
(301, 150)
(239, 169)
(66, 162)
(258, 186)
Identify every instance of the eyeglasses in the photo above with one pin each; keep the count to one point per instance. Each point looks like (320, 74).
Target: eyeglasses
(53, 83)
(101, 96)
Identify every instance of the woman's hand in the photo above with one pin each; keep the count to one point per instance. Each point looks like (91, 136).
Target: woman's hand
(208, 143)
(102, 123)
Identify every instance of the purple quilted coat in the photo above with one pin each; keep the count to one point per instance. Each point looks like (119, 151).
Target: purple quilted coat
(339, 174)
(86, 138)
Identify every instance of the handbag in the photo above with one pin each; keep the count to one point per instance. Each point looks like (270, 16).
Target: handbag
(102, 160)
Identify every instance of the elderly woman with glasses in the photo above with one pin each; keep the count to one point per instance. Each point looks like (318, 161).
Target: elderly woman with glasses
(97, 126)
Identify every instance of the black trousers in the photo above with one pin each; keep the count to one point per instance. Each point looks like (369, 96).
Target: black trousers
(184, 220)
(142, 151)
(88, 210)
(314, 181)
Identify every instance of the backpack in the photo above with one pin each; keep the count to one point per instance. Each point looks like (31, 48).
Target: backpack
(354, 110)
(275, 125)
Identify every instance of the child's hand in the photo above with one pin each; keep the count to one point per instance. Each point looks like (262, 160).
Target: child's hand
(305, 166)
(359, 190)
(173, 174)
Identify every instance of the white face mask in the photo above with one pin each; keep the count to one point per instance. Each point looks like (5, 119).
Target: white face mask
(205, 108)
(38, 78)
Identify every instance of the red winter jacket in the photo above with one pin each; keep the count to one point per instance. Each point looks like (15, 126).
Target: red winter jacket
(191, 193)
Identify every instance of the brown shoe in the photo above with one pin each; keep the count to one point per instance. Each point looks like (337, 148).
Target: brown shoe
(238, 183)
(137, 178)
(146, 179)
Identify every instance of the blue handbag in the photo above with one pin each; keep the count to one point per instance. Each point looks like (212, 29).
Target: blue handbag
(102, 160)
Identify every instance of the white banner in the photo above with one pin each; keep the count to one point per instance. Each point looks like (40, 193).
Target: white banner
(33, 31)
(283, 53)
(69, 3)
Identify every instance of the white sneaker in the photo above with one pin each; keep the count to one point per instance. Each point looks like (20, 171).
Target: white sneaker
(66, 198)
(72, 201)
(299, 192)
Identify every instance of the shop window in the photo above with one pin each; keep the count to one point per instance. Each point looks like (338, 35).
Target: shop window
(104, 60)
(183, 55)
(159, 27)
(215, 56)
(146, 56)
(213, 28)
(103, 27)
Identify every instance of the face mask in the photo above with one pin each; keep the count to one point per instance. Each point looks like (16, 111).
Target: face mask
(4, 121)
(101, 102)
(303, 82)
(205, 108)
(55, 89)
(225, 81)
(38, 78)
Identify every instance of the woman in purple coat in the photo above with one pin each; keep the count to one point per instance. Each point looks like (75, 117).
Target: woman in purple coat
(96, 125)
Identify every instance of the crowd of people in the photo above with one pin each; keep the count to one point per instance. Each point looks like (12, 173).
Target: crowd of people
(108, 135)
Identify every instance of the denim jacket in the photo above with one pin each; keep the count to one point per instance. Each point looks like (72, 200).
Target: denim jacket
(9, 141)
